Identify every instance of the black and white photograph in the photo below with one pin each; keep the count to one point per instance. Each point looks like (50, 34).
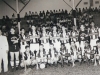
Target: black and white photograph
(49, 37)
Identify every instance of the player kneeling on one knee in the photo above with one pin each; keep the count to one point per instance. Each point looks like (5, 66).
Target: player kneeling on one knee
(27, 61)
(53, 55)
(42, 58)
(79, 55)
(97, 53)
(98, 48)
(87, 52)
(65, 56)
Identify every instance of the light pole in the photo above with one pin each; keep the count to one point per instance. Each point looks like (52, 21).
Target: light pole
(74, 12)
(18, 16)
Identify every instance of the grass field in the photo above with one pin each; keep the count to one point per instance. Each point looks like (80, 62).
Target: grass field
(84, 69)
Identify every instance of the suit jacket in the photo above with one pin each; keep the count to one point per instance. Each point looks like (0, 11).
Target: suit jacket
(3, 44)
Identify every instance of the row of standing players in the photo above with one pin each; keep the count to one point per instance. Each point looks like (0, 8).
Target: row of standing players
(45, 47)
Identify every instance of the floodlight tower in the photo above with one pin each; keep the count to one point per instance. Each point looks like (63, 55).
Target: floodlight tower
(25, 2)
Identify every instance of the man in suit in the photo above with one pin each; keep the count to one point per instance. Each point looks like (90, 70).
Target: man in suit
(3, 52)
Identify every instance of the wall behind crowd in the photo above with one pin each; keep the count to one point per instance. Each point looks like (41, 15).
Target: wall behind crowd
(40, 5)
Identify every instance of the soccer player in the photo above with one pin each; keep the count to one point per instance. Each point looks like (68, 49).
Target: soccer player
(53, 53)
(87, 52)
(23, 42)
(62, 52)
(42, 57)
(73, 53)
(82, 37)
(94, 35)
(27, 61)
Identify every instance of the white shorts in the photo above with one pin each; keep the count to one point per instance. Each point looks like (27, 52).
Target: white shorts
(34, 47)
(67, 45)
(22, 48)
(52, 60)
(93, 42)
(74, 57)
(97, 56)
(57, 45)
(41, 60)
(82, 46)
(46, 47)
(27, 62)
(79, 56)
(88, 56)
(34, 62)
(77, 44)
